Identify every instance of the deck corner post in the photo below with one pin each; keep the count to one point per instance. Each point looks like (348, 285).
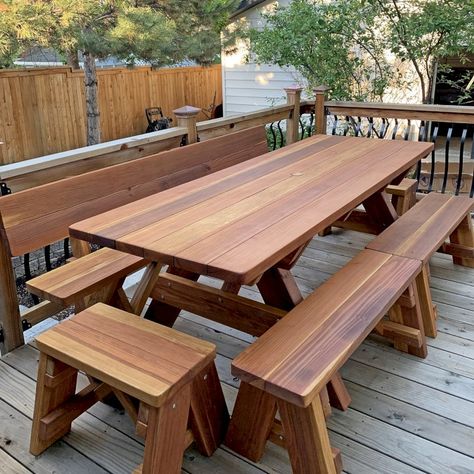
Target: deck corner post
(10, 321)
(320, 118)
(293, 97)
(187, 117)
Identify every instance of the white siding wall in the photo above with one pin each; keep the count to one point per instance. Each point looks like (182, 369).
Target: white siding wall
(249, 87)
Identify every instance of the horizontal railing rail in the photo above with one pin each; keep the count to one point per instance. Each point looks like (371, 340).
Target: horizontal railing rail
(450, 168)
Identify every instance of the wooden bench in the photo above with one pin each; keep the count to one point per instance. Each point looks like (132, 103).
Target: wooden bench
(423, 230)
(36, 217)
(172, 375)
(289, 366)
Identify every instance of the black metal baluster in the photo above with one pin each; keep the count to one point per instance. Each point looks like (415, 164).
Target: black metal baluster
(383, 128)
(280, 131)
(395, 130)
(446, 158)
(310, 126)
(346, 126)
(67, 254)
(358, 127)
(461, 161)
(371, 126)
(334, 126)
(302, 126)
(407, 130)
(273, 144)
(47, 257)
(433, 157)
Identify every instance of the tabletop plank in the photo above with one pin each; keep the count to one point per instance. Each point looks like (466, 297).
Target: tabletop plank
(110, 225)
(238, 222)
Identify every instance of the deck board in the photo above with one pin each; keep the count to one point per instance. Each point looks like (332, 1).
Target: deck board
(407, 416)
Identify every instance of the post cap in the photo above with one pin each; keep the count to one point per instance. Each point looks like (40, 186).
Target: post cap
(187, 111)
(293, 89)
(321, 89)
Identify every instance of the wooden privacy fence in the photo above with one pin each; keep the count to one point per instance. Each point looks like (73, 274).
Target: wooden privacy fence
(42, 111)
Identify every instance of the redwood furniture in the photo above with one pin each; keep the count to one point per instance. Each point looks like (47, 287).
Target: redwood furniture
(249, 223)
(172, 375)
(289, 366)
(423, 230)
(37, 217)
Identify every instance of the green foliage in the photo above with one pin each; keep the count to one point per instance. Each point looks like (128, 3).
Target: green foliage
(345, 43)
(162, 32)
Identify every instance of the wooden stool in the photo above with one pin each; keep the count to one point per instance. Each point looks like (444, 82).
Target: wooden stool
(172, 375)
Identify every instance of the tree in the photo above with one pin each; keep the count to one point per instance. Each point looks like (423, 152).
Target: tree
(159, 32)
(347, 44)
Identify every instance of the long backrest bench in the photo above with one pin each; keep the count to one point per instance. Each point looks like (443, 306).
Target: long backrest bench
(36, 217)
(423, 230)
(289, 366)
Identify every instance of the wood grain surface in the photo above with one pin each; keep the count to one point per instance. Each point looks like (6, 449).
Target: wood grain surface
(238, 222)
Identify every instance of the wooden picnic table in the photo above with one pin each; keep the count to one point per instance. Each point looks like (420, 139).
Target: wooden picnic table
(249, 223)
(237, 223)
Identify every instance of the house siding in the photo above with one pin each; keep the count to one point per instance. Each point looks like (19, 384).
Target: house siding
(249, 86)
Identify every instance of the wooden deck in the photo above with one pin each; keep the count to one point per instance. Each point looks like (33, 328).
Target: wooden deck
(407, 416)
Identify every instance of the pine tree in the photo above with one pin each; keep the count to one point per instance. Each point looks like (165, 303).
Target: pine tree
(159, 32)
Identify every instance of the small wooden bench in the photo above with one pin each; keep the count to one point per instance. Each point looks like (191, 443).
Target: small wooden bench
(289, 366)
(37, 217)
(172, 375)
(423, 230)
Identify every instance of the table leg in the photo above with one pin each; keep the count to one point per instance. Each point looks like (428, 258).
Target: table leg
(380, 209)
(163, 313)
(152, 272)
(279, 289)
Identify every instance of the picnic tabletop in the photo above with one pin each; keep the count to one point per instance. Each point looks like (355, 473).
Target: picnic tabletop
(237, 223)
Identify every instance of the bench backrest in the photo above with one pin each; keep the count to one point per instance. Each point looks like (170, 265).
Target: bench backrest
(297, 357)
(36, 217)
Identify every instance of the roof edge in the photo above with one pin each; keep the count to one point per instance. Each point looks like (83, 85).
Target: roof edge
(244, 6)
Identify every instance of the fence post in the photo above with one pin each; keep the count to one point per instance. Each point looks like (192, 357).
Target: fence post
(293, 97)
(187, 117)
(319, 110)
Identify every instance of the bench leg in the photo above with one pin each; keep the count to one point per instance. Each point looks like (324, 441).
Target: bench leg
(165, 435)
(307, 438)
(464, 235)
(412, 318)
(209, 417)
(428, 311)
(338, 394)
(403, 195)
(49, 395)
(251, 422)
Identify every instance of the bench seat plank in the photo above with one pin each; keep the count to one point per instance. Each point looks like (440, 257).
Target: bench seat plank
(424, 228)
(295, 358)
(139, 357)
(82, 277)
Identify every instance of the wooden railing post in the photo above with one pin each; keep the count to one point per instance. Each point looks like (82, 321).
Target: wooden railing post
(319, 111)
(10, 321)
(187, 117)
(293, 97)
